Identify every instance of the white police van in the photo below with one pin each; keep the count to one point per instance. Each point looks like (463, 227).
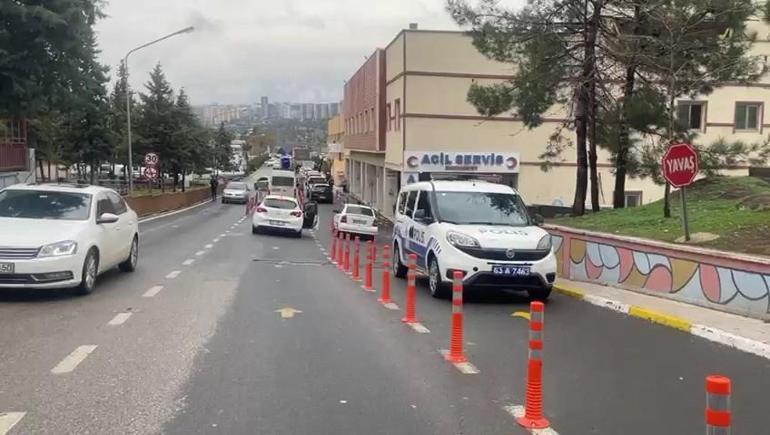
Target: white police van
(479, 228)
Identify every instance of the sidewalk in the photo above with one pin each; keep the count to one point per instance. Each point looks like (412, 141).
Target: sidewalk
(747, 334)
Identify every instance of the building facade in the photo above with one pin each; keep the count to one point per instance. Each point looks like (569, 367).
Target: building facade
(336, 148)
(406, 112)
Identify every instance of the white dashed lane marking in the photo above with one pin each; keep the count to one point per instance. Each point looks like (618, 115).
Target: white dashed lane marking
(173, 274)
(71, 361)
(119, 319)
(209, 246)
(215, 240)
(199, 253)
(188, 262)
(152, 291)
(8, 420)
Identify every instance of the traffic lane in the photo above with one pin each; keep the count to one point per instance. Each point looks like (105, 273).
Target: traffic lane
(129, 383)
(594, 352)
(343, 365)
(39, 328)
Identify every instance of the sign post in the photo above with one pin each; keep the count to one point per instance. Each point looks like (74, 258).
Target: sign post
(679, 166)
(151, 169)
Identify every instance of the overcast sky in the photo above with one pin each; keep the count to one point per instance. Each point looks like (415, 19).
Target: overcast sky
(289, 50)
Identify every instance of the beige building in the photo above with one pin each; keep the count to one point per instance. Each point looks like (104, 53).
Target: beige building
(336, 148)
(430, 126)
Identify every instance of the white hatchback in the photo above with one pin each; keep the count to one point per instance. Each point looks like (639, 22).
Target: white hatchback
(64, 235)
(357, 220)
(480, 229)
(280, 213)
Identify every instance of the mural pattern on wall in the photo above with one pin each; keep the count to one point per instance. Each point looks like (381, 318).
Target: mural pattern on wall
(652, 271)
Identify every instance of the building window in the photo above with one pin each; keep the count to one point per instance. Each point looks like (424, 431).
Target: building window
(398, 113)
(633, 198)
(690, 114)
(747, 116)
(371, 118)
(387, 116)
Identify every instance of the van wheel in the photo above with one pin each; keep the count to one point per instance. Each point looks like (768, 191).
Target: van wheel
(540, 294)
(399, 270)
(438, 289)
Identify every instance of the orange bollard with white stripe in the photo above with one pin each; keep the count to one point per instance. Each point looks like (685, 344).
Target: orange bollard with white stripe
(370, 255)
(411, 290)
(333, 248)
(456, 354)
(385, 289)
(718, 414)
(533, 405)
(357, 260)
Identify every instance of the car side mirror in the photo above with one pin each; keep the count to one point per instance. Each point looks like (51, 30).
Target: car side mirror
(107, 218)
(538, 219)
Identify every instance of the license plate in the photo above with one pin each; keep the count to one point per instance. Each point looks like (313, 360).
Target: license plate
(359, 222)
(6, 267)
(277, 223)
(511, 270)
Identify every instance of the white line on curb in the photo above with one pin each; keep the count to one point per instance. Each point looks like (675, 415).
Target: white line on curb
(150, 219)
(119, 319)
(71, 361)
(728, 339)
(188, 262)
(607, 303)
(517, 411)
(152, 291)
(8, 420)
(173, 274)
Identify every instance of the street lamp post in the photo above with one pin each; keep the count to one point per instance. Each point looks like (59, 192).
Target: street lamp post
(130, 172)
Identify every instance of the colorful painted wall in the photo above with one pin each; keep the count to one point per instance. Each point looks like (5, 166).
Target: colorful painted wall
(725, 281)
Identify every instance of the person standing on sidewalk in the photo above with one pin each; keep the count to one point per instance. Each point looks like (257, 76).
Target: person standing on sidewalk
(214, 183)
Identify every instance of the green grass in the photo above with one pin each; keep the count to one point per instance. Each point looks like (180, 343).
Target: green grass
(737, 209)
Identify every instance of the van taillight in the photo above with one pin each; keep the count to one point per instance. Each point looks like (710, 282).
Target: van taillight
(296, 213)
(261, 209)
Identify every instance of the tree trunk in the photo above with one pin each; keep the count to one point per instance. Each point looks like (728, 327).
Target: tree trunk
(592, 147)
(49, 170)
(42, 171)
(621, 156)
(582, 109)
(93, 172)
(184, 177)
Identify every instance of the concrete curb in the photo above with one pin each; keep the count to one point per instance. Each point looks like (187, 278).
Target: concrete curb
(675, 322)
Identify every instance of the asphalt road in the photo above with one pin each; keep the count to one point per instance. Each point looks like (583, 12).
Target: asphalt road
(210, 352)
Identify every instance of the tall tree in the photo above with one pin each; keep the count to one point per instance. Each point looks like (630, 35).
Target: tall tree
(223, 152)
(156, 120)
(117, 116)
(553, 45)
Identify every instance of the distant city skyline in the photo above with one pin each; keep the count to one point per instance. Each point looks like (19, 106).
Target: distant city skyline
(214, 114)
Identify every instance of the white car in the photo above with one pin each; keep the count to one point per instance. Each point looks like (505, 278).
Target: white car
(478, 228)
(358, 220)
(64, 235)
(280, 213)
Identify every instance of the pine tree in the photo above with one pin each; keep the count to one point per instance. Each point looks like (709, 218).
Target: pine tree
(156, 120)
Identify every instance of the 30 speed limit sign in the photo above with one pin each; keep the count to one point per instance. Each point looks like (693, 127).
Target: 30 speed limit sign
(151, 159)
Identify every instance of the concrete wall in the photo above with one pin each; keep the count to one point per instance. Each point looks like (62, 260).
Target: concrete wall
(723, 281)
(152, 204)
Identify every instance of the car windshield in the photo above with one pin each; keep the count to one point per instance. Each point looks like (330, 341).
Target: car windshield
(283, 181)
(354, 209)
(315, 180)
(320, 187)
(481, 208)
(41, 204)
(236, 186)
(285, 204)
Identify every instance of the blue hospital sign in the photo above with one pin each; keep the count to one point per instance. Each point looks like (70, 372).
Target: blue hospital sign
(489, 162)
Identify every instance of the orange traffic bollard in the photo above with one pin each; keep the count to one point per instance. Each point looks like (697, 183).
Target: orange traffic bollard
(456, 354)
(333, 248)
(533, 405)
(385, 290)
(411, 275)
(718, 415)
(347, 252)
(357, 260)
(370, 254)
(340, 252)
